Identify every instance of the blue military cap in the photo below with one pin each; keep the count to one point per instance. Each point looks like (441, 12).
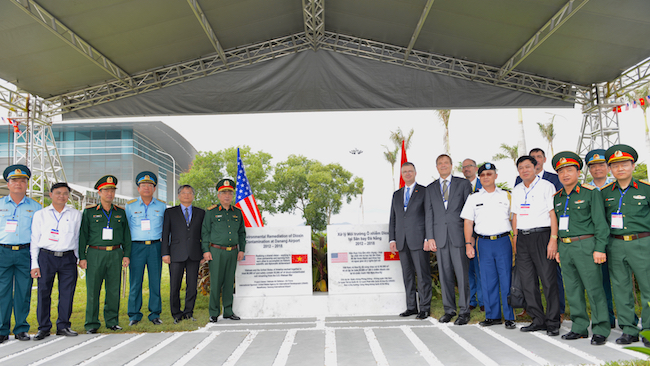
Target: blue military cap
(17, 171)
(595, 156)
(146, 177)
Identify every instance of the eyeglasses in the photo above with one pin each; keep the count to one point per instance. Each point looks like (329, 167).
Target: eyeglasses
(468, 166)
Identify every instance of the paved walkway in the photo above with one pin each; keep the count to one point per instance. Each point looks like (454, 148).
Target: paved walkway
(356, 341)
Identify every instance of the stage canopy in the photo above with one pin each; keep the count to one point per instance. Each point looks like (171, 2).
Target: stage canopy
(164, 57)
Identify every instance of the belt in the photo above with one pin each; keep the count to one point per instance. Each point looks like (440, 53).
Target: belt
(224, 248)
(630, 237)
(57, 254)
(576, 238)
(534, 230)
(106, 248)
(493, 237)
(16, 246)
(146, 242)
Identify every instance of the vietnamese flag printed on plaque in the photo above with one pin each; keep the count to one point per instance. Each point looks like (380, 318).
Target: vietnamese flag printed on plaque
(299, 258)
(388, 256)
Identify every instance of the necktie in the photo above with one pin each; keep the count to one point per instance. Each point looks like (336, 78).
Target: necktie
(408, 197)
(187, 216)
(445, 190)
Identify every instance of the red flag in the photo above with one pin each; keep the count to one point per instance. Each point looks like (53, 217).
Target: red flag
(642, 101)
(389, 256)
(299, 258)
(245, 199)
(404, 160)
(618, 109)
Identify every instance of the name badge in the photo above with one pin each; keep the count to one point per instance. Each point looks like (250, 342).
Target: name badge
(11, 226)
(564, 222)
(107, 233)
(54, 235)
(145, 224)
(617, 221)
(524, 209)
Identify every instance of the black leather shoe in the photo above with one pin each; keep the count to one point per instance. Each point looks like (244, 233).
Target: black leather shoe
(67, 332)
(422, 315)
(553, 332)
(409, 313)
(510, 324)
(133, 322)
(627, 339)
(189, 317)
(41, 335)
(462, 319)
(91, 331)
(645, 342)
(213, 319)
(115, 327)
(23, 336)
(472, 307)
(157, 321)
(489, 322)
(598, 340)
(177, 320)
(533, 328)
(573, 335)
(4, 338)
(447, 317)
(232, 317)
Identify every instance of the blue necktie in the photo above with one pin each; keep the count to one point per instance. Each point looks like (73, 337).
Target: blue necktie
(187, 216)
(408, 197)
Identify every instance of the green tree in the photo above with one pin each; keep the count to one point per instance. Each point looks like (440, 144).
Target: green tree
(209, 167)
(508, 152)
(314, 189)
(548, 132)
(391, 158)
(396, 137)
(640, 171)
(443, 116)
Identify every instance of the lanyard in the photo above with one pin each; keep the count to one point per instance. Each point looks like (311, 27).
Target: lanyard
(531, 188)
(146, 207)
(16, 209)
(620, 200)
(566, 204)
(57, 220)
(110, 212)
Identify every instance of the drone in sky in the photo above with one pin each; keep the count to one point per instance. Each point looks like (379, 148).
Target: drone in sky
(356, 151)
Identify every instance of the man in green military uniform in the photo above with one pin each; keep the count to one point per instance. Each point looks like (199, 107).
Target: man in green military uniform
(223, 242)
(627, 208)
(583, 233)
(104, 247)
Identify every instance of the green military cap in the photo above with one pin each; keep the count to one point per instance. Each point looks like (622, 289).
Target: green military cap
(595, 156)
(17, 171)
(107, 181)
(146, 177)
(225, 185)
(620, 153)
(566, 158)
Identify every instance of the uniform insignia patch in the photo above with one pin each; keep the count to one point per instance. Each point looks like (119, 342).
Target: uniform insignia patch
(580, 201)
(609, 199)
(639, 197)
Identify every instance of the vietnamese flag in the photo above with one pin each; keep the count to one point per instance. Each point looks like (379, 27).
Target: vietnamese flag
(401, 180)
(299, 258)
(388, 256)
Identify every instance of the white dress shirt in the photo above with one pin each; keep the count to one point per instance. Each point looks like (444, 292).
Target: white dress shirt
(539, 198)
(489, 211)
(67, 222)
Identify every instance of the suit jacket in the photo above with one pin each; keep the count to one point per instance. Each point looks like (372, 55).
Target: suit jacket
(407, 226)
(551, 177)
(442, 224)
(180, 241)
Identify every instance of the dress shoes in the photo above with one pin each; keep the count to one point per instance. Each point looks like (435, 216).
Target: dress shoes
(115, 327)
(177, 320)
(232, 317)
(133, 322)
(157, 321)
(23, 336)
(533, 328)
(447, 317)
(408, 313)
(462, 319)
(422, 315)
(489, 322)
(213, 319)
(4, 338)
(91, 331)
(627, 339)
(573, 335)
(553, 332)
(67, 332)
(472, 307)
(189, 317)
(41, 335)
(598, 340)
(510, 324)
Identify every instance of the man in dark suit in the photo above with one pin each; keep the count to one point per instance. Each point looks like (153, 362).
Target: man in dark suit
(444, 201)
(406, 235)
(181, 249)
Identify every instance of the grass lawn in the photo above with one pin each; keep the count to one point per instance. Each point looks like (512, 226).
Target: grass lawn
(79, 308)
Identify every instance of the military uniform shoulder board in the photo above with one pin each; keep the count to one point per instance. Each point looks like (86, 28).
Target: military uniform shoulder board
(161, 201)
(558, 192)
(90, 206)
(644, 182)
(211, 207)
(607, 185)
(509, 196)
(131, 201)
(588, 186)
(237, 208)
(120, 207)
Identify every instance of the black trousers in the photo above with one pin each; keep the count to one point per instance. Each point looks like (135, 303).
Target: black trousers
(176, 270)
(533, 267)
(66, 269)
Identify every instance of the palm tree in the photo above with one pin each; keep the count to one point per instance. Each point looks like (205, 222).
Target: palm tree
(509, 152)
(391, 157)
(634, 96)
(443, 116)
(398, 136)
(548, 132)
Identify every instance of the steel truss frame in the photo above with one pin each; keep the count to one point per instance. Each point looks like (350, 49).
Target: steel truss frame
(313, 13)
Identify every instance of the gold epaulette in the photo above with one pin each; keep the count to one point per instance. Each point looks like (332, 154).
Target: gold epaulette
(644, 182)
(607, 185)
(120, 207)
(161, 201)
(588, 186)
(211, 207)
(90, 206)
(558, 192)
(131, 201)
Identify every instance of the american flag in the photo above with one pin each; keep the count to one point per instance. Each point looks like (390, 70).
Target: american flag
(248, 260)
(245, 199)
(339, 257)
